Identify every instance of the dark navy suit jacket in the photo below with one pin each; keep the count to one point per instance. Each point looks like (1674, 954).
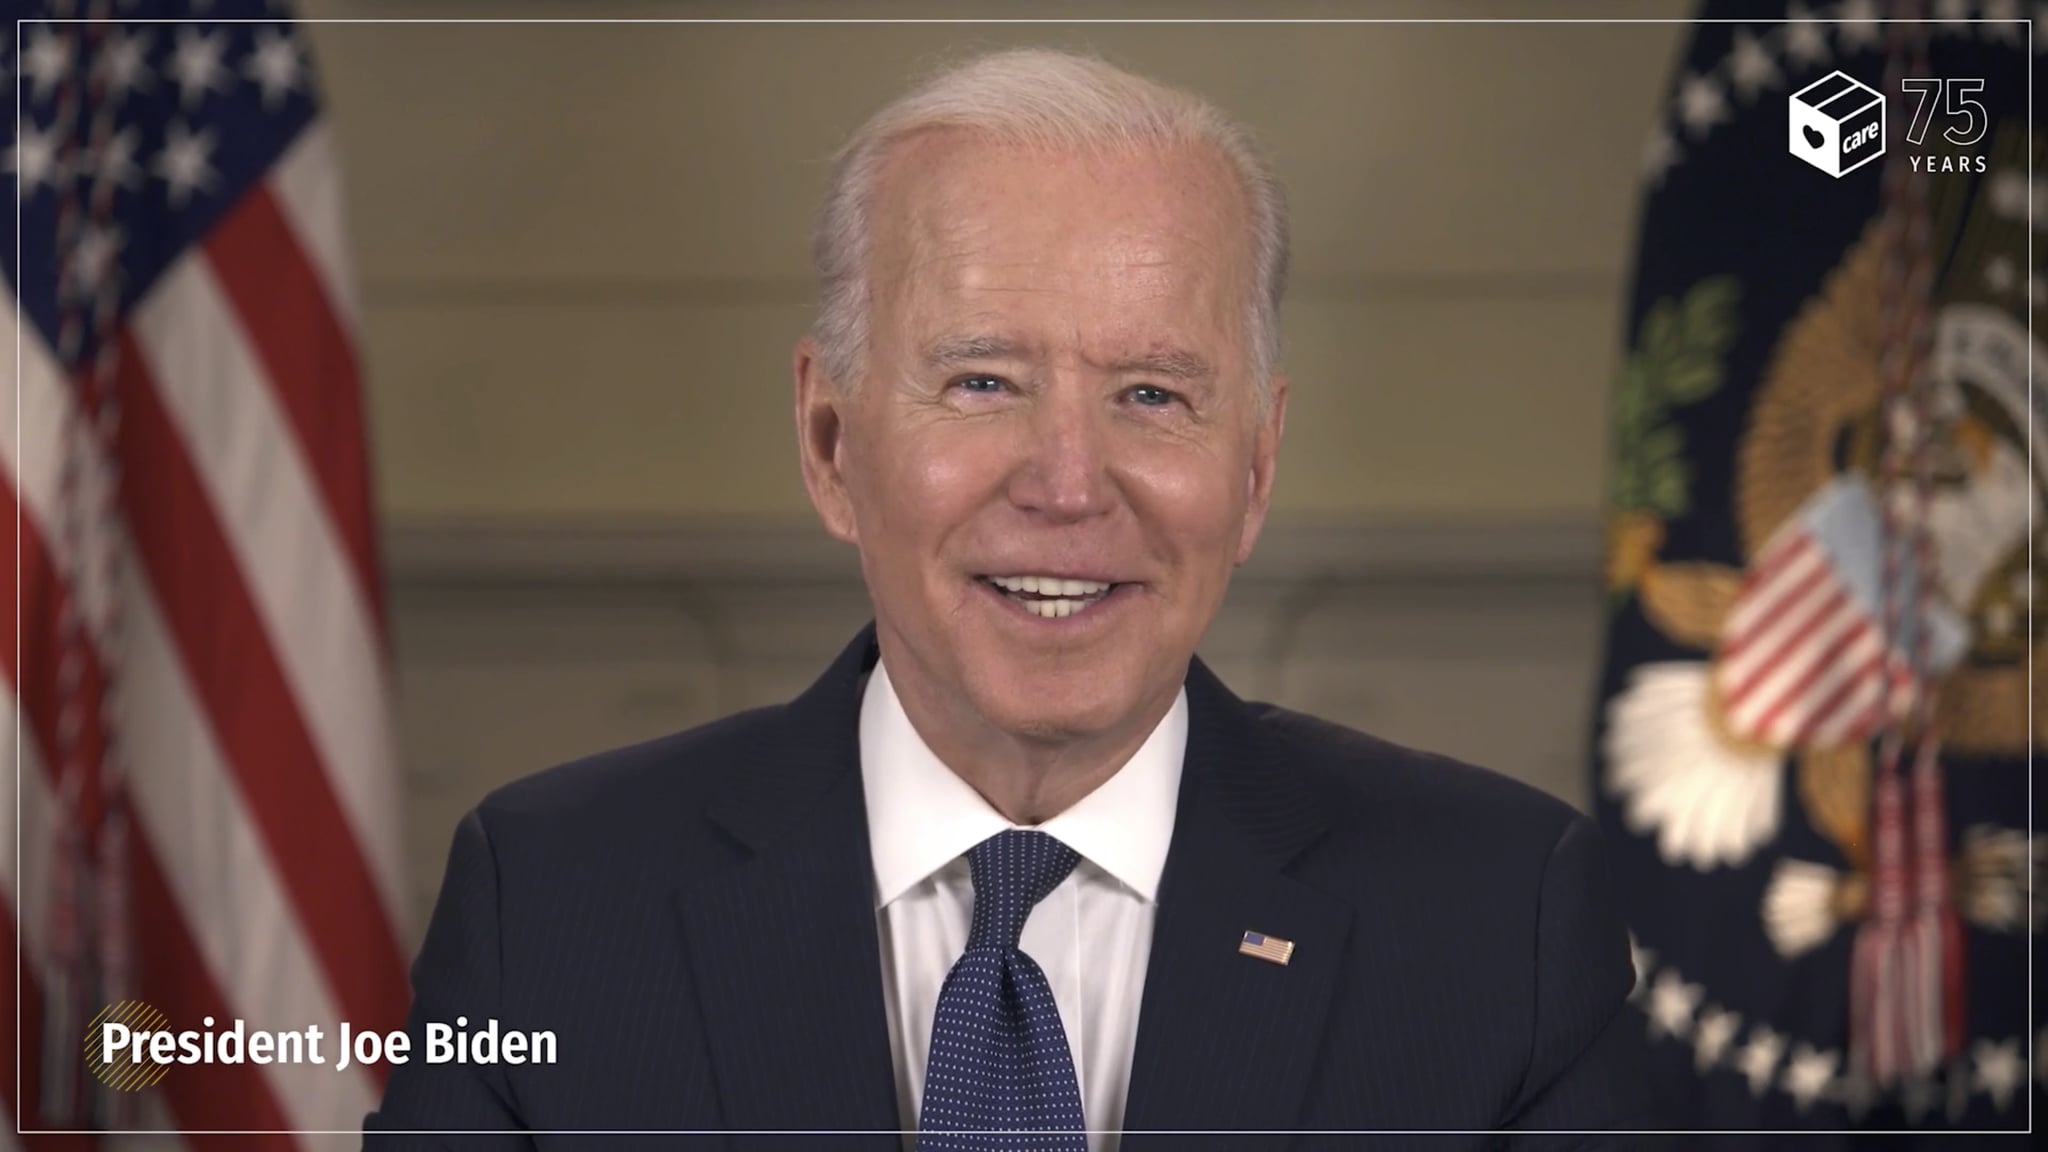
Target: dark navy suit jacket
(694, 919)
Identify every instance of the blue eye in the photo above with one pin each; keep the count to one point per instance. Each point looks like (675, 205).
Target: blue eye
(1151, 396)
(983, 384)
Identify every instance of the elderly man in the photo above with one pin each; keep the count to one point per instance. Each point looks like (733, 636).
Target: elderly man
(1019, 862)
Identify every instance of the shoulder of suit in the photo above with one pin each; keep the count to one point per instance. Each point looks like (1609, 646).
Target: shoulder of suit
(1392, 786)
(666, 780)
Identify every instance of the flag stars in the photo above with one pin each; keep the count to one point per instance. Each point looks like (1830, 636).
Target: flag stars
(1717, 1027)
(1701, 104)
(1806, 39)
(33, 158)
(45, 61)
(1758, 1060)
(121, 65)
(1672, 1003)
(275, 66)
(116, 164)
(1752, 66)
(186, 163)
(95, 259)
(1808, 1075)
(196, 65)
(1997, 1069)
(1859, 28)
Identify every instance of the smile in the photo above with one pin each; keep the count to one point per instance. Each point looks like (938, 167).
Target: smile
(1051, 597)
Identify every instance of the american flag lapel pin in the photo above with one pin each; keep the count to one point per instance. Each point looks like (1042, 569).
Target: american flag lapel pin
(1269, 948)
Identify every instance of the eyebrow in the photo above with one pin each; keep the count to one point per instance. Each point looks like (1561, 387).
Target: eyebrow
(1170, 363)
(955, 351)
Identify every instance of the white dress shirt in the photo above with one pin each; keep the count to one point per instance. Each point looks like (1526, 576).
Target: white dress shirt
(1092, 935)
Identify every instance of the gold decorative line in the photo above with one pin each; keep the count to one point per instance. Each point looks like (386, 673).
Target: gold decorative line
(126, 1079)
(127, 1073)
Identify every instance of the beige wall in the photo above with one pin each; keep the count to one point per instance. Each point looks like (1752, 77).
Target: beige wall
(583, 259)
(582, 248)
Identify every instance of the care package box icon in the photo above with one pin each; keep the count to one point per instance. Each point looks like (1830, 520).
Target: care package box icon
(1837, 123)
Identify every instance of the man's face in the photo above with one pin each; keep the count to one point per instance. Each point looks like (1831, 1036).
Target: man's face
(1056, 456)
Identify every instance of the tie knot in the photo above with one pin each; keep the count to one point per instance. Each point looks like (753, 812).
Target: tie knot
(1013, 871)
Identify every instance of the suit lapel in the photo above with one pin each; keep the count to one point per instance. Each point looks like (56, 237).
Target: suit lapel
(1226, 1042)
(783, 947)
(787, 965)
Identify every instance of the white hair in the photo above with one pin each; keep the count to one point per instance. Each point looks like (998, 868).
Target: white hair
(1050, 99)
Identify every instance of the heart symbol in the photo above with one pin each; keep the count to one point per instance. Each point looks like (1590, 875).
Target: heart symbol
(1813, 137)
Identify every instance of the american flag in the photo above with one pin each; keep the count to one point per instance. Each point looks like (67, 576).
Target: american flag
(1266, 947)
(208, 795)
(1803, 658)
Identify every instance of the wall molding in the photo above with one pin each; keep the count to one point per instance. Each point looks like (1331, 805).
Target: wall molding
(424, 552)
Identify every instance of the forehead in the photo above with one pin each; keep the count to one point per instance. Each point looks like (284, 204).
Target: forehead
(1125, 244)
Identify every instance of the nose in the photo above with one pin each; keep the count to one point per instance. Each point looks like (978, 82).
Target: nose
(1064, 474)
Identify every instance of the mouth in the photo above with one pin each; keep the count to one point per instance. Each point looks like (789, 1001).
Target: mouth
(1053, 597)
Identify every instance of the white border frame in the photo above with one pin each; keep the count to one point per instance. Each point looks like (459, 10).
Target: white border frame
(2028, 50)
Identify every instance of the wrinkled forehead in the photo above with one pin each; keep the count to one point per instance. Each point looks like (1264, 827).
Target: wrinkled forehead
(1134, 243)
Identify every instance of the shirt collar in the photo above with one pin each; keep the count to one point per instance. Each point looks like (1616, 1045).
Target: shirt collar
(922, 817)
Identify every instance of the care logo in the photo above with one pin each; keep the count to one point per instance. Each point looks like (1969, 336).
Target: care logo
(1837, 124)
(1967, 122)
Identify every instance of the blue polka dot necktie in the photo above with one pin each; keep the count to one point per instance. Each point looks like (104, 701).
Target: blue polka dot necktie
(999, 1061)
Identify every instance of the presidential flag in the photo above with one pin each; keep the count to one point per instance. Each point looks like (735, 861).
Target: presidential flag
(1811, 745)
(196, 698)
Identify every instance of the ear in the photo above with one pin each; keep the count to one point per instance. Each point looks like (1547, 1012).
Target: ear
(821, 441)
(1265, 459)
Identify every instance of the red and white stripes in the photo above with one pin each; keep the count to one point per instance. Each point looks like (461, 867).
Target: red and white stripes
(253, 706)
(1804, 663)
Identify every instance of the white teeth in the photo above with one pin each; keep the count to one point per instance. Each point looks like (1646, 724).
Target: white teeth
(1055, 609)
(1067, 597)
(1049, 585)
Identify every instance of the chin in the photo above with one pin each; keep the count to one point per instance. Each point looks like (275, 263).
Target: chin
(1057, 706)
